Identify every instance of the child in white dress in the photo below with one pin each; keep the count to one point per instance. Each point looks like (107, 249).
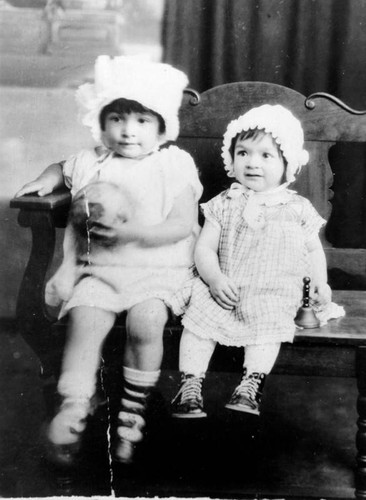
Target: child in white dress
(259, 241)
(138, 253)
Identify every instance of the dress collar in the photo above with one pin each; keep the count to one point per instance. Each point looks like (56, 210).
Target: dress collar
(105, 153)
(253, 212)
(276, 196)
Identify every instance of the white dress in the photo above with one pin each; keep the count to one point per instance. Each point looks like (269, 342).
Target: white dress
(122, 276)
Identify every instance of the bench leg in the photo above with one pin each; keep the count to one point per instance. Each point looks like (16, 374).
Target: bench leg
(360, 474)
(34, 322)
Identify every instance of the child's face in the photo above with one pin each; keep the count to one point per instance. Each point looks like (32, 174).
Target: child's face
(258, 164)
(131, 134)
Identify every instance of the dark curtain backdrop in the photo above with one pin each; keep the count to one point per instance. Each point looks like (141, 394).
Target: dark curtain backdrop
(307, 45)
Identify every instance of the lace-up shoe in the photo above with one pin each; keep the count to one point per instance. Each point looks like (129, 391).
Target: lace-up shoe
(64, 433)
(129, 433)
(248, 394)
(188, 402)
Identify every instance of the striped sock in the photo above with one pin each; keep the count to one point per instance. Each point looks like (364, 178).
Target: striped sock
(131, 421)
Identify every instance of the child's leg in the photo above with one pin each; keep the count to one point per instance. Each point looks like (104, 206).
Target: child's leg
(260, 358)
(195, 353)
(59, 288)
(142, 360)
(87, 330)
(144, 343)
(194, 357)
(259, 361)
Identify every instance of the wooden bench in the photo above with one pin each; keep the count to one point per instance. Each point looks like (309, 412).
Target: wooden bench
(337, 349)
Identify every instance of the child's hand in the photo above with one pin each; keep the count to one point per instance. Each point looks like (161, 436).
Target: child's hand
(321, 295)
(105, 236)
(121, 233)
(224, 291)
(38, 186)
(100, 208)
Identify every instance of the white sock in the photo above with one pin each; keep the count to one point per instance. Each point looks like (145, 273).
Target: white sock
(140, 378)
(261, 358)
(77, 385)
(195, 353)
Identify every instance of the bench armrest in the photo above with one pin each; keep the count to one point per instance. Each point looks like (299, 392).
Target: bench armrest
(60, 198)
(42, 215)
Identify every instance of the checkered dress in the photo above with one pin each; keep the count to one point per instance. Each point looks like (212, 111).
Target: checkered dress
(267, 263)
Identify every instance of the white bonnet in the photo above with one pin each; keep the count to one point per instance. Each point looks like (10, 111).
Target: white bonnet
(156, 86)
(285, 129)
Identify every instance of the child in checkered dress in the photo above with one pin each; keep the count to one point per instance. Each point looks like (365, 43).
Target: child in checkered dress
(258, 242)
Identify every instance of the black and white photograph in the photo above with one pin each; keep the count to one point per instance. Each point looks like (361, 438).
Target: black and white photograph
(183, 243)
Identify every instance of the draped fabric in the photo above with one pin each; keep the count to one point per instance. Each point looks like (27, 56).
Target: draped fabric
(308, 45)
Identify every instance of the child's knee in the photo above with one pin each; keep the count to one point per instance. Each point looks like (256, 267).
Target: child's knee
(144, 337)
(145, 322)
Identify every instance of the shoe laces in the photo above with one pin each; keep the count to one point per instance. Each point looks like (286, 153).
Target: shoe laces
(249, 386)
(190, 389)
(130, 426)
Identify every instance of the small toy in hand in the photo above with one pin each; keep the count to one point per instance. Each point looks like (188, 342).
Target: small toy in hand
(306, 317)
(97, 207)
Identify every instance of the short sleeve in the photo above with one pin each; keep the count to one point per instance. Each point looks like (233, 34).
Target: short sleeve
(68, 170)
(181, 171)
(213, 210)
(79, 169)
(311, 221)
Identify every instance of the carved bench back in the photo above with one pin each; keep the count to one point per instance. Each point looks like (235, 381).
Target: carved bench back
(325, 119)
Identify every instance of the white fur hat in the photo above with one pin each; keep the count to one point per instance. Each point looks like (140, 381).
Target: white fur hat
(156, 86)
(285, 129)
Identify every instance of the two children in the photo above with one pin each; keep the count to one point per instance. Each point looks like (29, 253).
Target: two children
(132, 263)
(258, 242)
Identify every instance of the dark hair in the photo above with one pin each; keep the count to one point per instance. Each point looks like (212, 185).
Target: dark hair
(253, 134)
(126, 106)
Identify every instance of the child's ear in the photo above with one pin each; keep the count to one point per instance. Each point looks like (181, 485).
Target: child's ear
(162, 139)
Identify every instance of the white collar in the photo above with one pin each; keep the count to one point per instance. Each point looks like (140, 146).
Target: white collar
(106, 153)
(253, 211)
(276, 196)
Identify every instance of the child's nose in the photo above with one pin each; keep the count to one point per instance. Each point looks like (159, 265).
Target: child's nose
(252, 162)
(129, 127)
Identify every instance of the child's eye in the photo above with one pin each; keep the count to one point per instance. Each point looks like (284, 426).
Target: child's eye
(145, 119)
(267, 155)
(241, 152)
(114, 118)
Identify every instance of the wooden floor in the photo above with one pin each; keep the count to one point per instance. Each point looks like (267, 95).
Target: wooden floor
(302, 446)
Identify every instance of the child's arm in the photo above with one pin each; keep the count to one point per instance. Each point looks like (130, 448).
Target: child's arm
(49, 180)
(322, 291)
(177, 226)
(222, 288)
